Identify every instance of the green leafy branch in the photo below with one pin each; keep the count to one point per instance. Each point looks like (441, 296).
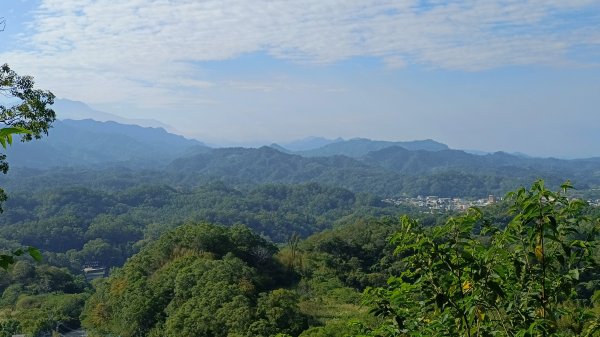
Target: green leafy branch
(470, 277)
(6, 134)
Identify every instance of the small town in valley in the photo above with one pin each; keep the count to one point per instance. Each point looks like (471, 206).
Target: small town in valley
(432, 203)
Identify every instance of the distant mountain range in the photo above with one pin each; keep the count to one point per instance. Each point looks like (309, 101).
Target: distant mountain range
(390, 171)
(308, 143)
(385, 168)
(359, 147)
(75, 110)
(88, 143)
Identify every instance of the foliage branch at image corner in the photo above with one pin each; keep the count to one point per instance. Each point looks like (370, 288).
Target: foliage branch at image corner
(28, 114)
(535, 277)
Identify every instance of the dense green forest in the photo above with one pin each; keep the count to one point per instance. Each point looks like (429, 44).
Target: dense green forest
(75, 225)
(302, 260)
(384, 176)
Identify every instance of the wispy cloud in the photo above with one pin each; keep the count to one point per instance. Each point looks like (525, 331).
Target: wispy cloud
(251, 86)
(152, 48)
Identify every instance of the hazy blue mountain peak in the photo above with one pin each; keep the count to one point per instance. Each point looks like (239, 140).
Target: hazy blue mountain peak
(81, 143)
(358, 147)
(309, 143)
(280, 148)
(76, 110)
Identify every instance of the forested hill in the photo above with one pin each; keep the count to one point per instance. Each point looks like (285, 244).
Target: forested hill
(81, 143)
(388, 172)
(265, 164)
(113, 156)
(78, 225)
(500, 163)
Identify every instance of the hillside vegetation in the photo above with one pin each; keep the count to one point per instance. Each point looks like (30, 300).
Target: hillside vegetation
(98, 154)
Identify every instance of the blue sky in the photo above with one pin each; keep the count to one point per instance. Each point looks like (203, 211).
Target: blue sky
(486, 75)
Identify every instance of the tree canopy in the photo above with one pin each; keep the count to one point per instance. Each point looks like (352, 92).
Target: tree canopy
(534, 277)
(28, 113)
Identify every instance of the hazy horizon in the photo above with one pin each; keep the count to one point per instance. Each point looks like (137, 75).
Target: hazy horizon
(517, 76)
(284, 142)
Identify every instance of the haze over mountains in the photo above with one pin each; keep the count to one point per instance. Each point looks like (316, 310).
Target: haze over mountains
(359, 147)
(84, 143)
(68, 109)
(362, 165)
